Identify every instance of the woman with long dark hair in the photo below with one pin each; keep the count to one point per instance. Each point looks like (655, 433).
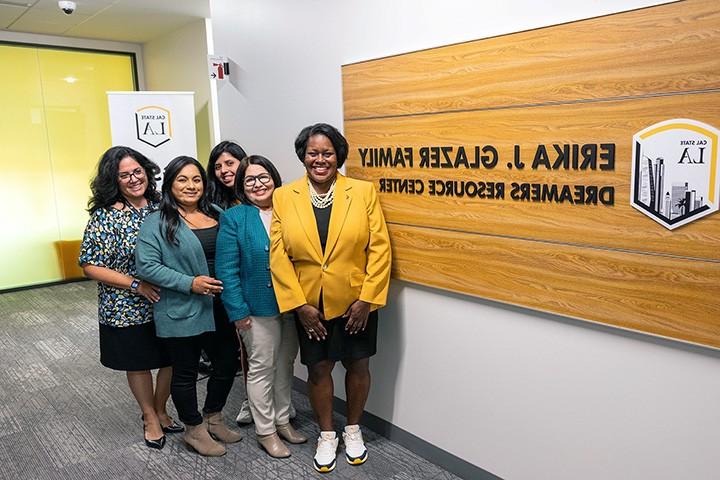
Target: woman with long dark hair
(123, 194)
(176, 251)
(221, 168)
(243, 261)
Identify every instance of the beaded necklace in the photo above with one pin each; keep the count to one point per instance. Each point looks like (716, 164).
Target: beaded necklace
(322, 200)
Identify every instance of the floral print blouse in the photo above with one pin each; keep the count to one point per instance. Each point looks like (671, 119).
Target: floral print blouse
(109, 241)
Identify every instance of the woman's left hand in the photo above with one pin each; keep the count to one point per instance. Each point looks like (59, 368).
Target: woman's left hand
(357, 316)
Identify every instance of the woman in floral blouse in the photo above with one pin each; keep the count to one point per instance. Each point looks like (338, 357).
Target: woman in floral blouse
(123, 193)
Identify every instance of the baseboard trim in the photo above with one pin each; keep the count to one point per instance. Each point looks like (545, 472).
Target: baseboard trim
(43, 285)
(417, 445)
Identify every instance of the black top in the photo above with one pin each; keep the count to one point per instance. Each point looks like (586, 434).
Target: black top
(207, 238)
(322, 218)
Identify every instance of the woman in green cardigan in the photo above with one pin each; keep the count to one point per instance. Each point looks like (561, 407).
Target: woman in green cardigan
(176, 251)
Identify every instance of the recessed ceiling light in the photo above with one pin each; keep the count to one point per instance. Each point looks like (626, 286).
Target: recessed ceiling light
(70, 79)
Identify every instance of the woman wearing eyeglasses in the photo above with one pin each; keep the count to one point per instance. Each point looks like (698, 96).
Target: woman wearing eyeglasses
(330, 262)
(221, 169)
(123, 194)
(243, 265)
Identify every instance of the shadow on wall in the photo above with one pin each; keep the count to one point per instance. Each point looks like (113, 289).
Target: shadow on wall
(389, 357)
(237, 77)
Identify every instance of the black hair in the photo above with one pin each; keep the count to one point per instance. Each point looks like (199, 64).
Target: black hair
(240, 175)
(218, 193)
(333, 134)
(169, 214)
(104, 187)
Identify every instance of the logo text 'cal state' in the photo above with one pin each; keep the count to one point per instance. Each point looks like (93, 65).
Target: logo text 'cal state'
(153, 125)
(675, 171)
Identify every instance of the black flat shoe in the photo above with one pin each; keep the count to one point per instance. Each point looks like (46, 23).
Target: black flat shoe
(174, 427)
(157, 444)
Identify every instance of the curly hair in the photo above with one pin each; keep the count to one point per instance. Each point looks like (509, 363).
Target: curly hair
(219, 194)
(105, 186)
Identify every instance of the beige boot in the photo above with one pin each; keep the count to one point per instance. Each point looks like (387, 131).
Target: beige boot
(197, 437)
(273, 445)
(288, 433)
(217, 429)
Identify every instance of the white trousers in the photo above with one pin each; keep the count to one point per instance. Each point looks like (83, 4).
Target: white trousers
(272, 345)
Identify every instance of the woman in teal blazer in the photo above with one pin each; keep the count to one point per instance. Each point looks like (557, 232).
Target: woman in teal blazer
(243, 265)
(176, 251)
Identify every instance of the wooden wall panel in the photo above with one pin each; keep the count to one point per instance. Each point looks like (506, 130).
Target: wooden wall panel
(633, 291)
(664, 49)
(597, 81)
(619, 226)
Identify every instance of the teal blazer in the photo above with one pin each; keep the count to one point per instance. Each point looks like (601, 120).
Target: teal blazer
(242, 262)
(179, 312)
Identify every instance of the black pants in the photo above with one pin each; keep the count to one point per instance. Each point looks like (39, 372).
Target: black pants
(222, 348)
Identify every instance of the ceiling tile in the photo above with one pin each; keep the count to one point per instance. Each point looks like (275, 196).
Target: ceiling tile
(8, 14)
(135, 21)
(47, 22)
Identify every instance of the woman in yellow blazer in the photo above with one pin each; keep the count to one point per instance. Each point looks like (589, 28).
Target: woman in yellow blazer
(330, 263)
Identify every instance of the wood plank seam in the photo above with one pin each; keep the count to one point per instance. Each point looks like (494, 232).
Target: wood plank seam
(579, 101)
(556, 242)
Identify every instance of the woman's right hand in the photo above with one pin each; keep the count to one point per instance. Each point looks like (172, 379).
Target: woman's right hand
(204, 285)
(312, 321)
(243, 324)
(149, 291)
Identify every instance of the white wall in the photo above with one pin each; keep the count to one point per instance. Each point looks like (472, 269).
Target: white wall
(521, 394)
(178, 62)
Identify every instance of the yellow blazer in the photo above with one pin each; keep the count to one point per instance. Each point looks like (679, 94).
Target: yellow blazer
(356, 262)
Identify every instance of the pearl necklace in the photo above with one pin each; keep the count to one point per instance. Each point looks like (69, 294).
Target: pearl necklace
(322, 200)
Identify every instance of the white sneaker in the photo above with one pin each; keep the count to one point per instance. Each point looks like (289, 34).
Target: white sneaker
(324, 460)
(293, 413)
(355, 451)
(244, 416)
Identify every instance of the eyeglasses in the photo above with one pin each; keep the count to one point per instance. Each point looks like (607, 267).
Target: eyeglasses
(263, 178)
(327, 155)
(138, 173)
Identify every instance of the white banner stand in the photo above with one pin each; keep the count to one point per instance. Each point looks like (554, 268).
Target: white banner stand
(160, 125)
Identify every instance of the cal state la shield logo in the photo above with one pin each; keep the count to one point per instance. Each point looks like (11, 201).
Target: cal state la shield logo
(675, 171)
(154, 125)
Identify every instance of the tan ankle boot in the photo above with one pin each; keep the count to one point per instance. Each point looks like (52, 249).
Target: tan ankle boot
(217, 429)
(288, 433)
(197, 437)
(273, 445)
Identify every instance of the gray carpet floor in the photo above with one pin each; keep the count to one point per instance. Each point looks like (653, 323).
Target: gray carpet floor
(64, 416)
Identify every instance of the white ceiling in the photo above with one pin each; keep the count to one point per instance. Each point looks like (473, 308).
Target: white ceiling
(136, 21)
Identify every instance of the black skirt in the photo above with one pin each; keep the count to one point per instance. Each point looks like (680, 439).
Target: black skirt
(132, 348)
(338, 345)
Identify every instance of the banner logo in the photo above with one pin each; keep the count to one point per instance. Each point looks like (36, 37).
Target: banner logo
(675, 172)
(153, 125)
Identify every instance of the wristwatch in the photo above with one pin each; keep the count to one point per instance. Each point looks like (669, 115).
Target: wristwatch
(134, 285)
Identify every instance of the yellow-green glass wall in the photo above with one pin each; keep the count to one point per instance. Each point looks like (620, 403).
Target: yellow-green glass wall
(53, 128)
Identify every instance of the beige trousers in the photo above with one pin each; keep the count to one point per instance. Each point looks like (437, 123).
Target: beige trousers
(272, 345)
